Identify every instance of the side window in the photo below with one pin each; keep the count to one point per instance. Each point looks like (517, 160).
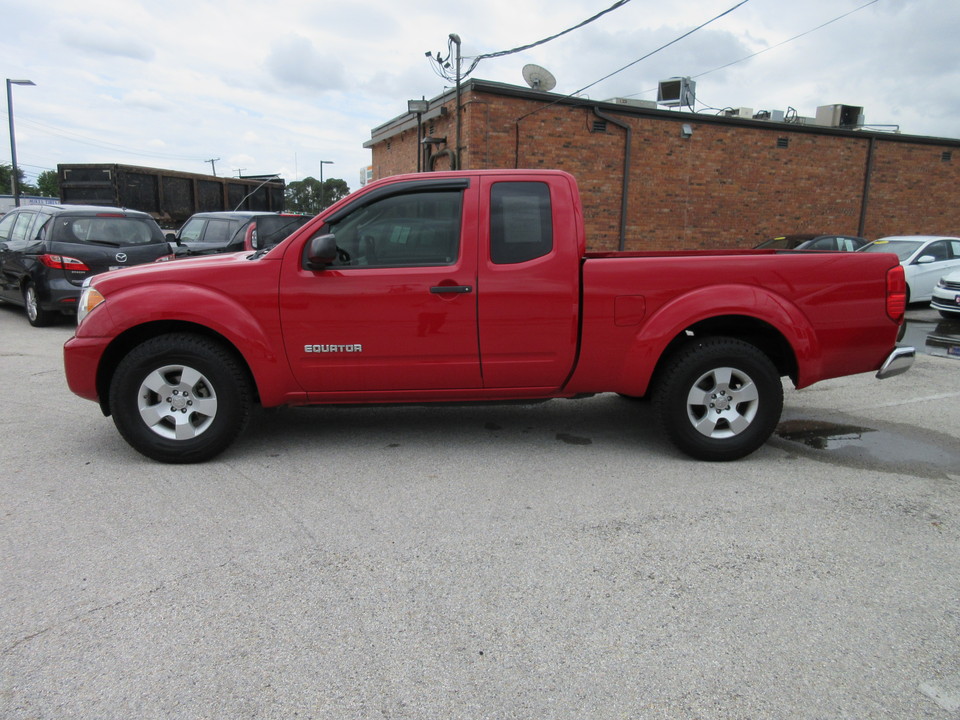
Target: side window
(521, 222)
(955, 248)
(938, 250)
(192, 231)
(409, 230)
(218, 232)
(6, 225)
(829, 243)
(18, 238)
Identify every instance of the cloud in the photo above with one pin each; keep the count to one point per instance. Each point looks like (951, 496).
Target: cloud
(102, 39)
(294, 61)
(148, 99)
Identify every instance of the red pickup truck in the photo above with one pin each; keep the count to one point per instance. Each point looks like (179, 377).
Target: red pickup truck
(475, 286)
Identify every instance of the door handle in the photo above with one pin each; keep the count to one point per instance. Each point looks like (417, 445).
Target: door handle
(456, 289)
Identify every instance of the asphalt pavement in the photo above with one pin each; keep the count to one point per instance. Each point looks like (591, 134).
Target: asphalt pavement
(558, 560)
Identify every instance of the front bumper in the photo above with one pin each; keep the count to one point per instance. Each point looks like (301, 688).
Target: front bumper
(897, 362)
(81, 358)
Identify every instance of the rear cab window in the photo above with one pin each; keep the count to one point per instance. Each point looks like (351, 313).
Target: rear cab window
(521, 222)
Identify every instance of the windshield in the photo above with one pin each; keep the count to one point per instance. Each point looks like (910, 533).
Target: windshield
(902, 248)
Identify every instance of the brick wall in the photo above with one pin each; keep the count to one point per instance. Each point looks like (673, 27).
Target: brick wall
(727, 184)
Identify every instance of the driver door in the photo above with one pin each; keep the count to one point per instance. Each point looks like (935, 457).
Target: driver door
(398, 310)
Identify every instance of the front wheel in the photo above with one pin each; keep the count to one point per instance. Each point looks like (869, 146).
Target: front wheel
(180, 398)
(719, 398)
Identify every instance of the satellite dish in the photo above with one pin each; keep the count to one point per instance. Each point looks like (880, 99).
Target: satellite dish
(539, 78)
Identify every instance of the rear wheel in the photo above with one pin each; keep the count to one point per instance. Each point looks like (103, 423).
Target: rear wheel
(719, 398)
(180, 398)
(37, 316)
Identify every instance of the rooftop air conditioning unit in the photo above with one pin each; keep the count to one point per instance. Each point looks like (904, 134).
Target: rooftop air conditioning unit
(677, 91)
(840, 116)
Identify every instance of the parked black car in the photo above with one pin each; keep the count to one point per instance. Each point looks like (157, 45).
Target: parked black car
(811, 241)
(217, 232)
(46, 251)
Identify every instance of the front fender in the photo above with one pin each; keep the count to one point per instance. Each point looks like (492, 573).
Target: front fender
(252, 328)
(739, 308)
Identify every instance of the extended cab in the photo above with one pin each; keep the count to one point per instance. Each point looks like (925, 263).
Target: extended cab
(475, 285)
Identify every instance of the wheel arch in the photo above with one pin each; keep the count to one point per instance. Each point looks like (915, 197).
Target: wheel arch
(763, 318)
(129, 339)
(762, 335)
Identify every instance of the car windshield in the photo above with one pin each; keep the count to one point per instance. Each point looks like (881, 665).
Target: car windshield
(902, 248)
(106, 230)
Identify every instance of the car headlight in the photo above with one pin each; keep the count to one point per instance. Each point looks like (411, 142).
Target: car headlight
(90, 298)
(942, 283)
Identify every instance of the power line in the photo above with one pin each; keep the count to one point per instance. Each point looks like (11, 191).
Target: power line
(795, 37)
(663, 47)
(443, 64)
(76, 137)
(771, 47)
(502, 53)
(640, 59)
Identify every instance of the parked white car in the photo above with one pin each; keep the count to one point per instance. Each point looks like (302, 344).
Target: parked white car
(946, 295)
(925, 259)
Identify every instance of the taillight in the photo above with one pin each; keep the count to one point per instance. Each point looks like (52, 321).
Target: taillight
(896, 293)
(63, 262)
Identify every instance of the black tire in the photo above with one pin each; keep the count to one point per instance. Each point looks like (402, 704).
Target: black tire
(180, 398)
(36, 315)
(718, 398)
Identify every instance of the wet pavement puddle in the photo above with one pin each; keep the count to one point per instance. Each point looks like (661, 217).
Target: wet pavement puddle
(871, 446)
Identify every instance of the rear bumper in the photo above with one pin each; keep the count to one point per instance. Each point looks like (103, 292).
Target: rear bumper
(899, 361)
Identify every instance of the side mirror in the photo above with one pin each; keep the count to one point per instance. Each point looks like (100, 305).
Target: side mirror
(321, 252)
(172, 238)
(926, 259)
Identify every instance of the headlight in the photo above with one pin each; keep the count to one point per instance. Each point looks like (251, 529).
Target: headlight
(89, 299)
(942, 283)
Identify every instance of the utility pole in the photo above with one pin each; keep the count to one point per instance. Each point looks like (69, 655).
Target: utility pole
(456, 41)
(213, 166)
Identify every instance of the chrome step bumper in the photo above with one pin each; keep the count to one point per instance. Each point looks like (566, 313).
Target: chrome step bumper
(899, 361)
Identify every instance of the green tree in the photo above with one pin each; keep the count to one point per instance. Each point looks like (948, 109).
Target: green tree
(6, 188)
(307, 196)
(48, 183)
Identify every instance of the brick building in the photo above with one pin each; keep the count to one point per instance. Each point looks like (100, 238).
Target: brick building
(655, 179)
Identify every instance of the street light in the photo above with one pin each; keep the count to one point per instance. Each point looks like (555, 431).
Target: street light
(14, 185)
(419, 107)
(322, 163)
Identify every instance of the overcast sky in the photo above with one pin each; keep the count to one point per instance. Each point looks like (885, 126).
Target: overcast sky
(275, 87)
